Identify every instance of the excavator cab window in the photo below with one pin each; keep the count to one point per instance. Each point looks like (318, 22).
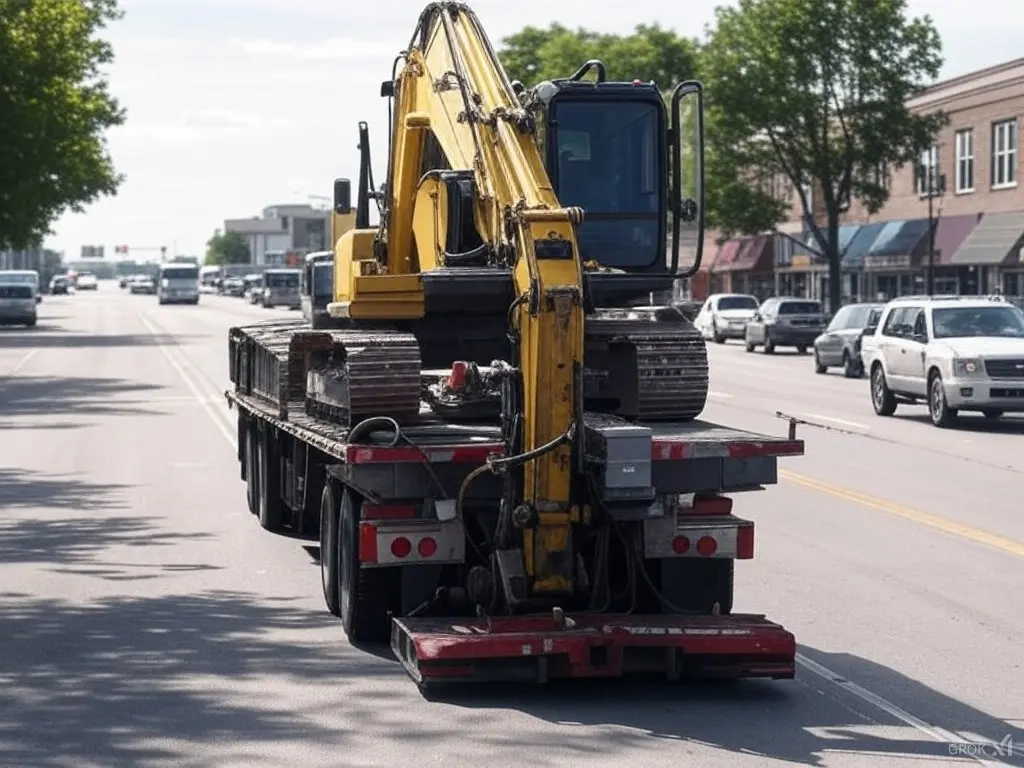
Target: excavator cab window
(608, 156)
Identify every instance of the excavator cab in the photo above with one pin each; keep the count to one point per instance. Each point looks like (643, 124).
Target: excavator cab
(608, 148)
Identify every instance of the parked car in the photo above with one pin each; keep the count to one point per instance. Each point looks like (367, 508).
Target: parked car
(840, 344)
(725, 316)
(955, 354)
(784, 321)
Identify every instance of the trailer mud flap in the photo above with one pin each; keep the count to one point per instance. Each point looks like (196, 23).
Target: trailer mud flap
(534, 649)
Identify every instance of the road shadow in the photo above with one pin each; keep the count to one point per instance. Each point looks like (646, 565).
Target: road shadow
(89, 527)
(43, 337)
(129, 681)
(797, 722)
(26, 489)
(970, 422)
(71, 396)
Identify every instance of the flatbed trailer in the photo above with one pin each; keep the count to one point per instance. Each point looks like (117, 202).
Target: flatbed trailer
(396, 489)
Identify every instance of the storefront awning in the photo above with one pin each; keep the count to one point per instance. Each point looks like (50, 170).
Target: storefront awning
(726, 255)
(992, 241)
(755, 254)
(950, 234)
(853, 257)
(896, 244)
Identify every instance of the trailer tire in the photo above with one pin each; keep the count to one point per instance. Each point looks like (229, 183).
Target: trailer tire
(243, 447)
(329, 549)
(271, 508)
(366, 595)
(252, 469)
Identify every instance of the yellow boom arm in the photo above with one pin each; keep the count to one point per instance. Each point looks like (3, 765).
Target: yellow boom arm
(453, 94)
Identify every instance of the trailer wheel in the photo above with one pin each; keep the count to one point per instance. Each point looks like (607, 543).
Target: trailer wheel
(243, 447)
(329, 549)
(366, 594)
(252, 469)
(271, 508)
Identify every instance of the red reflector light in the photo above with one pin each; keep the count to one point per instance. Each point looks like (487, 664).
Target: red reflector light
(680, 545)
(706, 546)
(745, 542)
(427, 547)
(401, 547)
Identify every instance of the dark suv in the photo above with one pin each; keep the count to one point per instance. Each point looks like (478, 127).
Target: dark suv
(785, 321)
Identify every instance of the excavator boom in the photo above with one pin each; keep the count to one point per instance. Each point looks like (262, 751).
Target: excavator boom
(454, 90)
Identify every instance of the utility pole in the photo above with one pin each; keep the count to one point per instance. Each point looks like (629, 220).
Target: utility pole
(934, 186)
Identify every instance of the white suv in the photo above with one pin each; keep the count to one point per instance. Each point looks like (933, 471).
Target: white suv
(956, 354)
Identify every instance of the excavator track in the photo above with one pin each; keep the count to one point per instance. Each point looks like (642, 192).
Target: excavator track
(340, 376)
(647, 364)
(362, 374)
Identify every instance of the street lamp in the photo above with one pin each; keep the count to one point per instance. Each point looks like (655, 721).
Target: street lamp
(934, 186)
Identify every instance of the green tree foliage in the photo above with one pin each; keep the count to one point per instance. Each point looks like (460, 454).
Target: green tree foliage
(55, 107)
(813, 92)
(533, 55)
(227, 248)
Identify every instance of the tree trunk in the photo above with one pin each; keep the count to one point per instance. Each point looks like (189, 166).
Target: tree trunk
(835, 293)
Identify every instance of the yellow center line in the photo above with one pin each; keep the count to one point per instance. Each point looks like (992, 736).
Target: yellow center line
(1010, 546)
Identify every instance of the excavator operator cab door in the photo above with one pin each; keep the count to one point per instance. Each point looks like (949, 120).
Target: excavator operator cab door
(606, 152)
(636, 169)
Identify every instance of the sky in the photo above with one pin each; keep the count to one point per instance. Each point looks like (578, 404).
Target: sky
(236, 105)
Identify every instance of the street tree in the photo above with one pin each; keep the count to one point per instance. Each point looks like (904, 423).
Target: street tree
(533, 54)
(813, 93)
(227, 248)
(55, 109)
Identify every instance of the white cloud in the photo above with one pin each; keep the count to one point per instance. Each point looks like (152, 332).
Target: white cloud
(205, 125)
(333, 49)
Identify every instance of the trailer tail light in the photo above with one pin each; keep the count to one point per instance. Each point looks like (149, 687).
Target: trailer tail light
(427, 547)
(706, 546)
(401, 547)
(745, 542)
(723, 537)
(410, 542)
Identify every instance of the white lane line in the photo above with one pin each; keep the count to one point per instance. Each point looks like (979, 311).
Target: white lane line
(933, 732)
(834, 420)
(23, 362)
(201, 398)
(719, 395)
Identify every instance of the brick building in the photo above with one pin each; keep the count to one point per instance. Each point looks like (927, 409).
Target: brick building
(971, 181)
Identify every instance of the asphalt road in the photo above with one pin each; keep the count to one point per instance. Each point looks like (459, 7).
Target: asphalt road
(146, 620)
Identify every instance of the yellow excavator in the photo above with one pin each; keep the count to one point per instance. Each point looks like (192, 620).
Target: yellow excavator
(495, 427)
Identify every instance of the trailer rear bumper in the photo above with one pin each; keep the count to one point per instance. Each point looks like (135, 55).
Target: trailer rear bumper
(533, 649)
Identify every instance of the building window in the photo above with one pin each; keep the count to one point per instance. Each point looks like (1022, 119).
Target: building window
(928, 171)
(1004, 154)
(964, 161)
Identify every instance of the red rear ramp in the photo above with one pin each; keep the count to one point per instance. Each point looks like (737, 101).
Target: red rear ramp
(539, 648)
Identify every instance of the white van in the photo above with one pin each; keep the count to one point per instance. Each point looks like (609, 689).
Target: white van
(178, 284)
(18, 297)
(22, 277)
